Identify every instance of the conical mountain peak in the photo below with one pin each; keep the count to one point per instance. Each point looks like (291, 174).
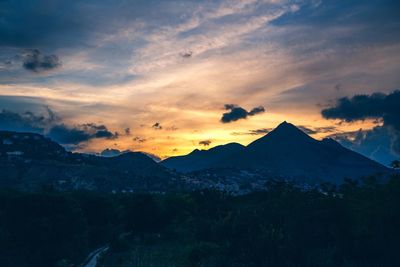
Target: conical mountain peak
(287, 128)
(283, 134)
(286, 152)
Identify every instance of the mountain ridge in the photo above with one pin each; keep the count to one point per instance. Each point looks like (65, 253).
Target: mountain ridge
(207, 158)
(288, 152)
(29, 161)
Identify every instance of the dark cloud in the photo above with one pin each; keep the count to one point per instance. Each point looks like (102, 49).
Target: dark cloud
(306, 129)
(315, 130)
(98, 131)
(375, 143)
(187, 54)
(75, 23)
(139, 139)
(66, 135)
(157, 126)
(127, 131)
(52, 126)
(35, 61)
(378, 106)
(73, 135)
(326, 129)
(261, 131)
(205, 142)
(256, 110)
(106, 134)
(68, 28)
(379, 17)
(236, 113)
(26, 121)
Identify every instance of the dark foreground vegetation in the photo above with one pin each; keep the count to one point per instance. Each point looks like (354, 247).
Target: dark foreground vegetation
(352, 225)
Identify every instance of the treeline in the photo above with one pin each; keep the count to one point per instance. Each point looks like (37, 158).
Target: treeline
(350, 225)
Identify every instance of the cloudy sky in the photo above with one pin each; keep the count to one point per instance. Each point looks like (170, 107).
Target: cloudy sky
(167, 77)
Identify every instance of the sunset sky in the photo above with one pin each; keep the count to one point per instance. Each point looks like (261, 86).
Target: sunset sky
(158, 76)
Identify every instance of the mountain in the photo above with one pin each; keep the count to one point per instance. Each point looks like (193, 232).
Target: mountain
(31, 161)
(111, 152)
(288, 153)
(202, 159)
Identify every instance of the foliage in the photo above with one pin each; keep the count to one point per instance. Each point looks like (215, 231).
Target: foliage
(395, 164)
(353, 225)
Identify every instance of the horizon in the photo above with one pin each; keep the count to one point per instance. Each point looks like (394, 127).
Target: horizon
(246, 133)
(110, 152)
(224, 144)
(166, 78)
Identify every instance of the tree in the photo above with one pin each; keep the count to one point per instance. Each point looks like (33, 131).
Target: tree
(395, 164)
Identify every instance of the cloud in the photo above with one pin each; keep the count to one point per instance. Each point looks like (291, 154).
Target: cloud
(139, 139)
(187, 54)
(237, 53)
(325, 129)
(35, 61)
(52, 126)
(306, 129)
(374, 143)
(73, 135)
(316, 130)
(157, 126)
(236, 113)
(26, 121)
(205, 142)
(367, 15)
(378, 106)
(66, 135)
(256, 110)
(261, 131)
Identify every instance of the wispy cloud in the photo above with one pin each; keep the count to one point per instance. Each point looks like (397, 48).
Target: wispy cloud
(178, 62)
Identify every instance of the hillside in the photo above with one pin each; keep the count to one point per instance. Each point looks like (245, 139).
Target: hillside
(286, 152)
(30, 161)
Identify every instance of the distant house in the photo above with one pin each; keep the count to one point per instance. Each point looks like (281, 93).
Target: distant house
(7, 142)
(15, 153)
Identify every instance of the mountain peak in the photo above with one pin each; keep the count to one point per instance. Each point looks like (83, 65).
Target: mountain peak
(286, 126)
(283, 134)
(287, 130)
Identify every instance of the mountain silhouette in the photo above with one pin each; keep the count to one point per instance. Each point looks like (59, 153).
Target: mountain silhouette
(202, 159)
(30, 161)
(286, 152)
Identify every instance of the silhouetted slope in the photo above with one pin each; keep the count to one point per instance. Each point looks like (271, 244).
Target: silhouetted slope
(202, 159)
(287, 152)
(29, 161)
(135, 162)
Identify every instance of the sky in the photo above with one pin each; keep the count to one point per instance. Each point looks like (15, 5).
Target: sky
(167, 77)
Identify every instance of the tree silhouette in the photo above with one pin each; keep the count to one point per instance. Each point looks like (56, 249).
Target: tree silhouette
(395, 164)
